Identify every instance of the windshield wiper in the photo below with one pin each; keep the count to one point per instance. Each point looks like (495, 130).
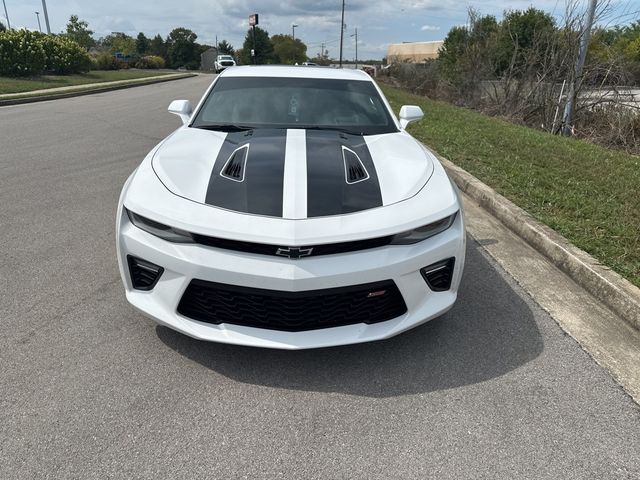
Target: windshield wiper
(225, 127)
(335, 129)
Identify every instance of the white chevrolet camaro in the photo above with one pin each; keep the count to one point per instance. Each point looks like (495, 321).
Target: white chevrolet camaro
(291, 210)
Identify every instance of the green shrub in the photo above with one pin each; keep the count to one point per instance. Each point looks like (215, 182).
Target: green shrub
(24, 53)
(151, 62)
(21, 53)
(106, 61)
(64, 55)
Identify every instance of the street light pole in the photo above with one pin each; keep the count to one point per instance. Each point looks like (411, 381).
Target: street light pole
(293, 30)
(356, 35)
(46, 16)
(341, 33)
(38, 17)
(577, 80)
(6, 15)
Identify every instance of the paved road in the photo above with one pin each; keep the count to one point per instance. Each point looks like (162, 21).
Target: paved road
(91, 389)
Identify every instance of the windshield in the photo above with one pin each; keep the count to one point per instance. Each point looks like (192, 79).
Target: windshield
(353, 106)
(226, 57)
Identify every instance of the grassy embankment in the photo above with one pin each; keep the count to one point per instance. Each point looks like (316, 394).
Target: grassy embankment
(587, 193)
(25, 85)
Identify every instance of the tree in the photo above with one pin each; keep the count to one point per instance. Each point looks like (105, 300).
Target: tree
(522, 34)
(2, 27)
(287, 50)
(158, 47)
(225, 48)
(182, 49)
(452, 54)
(78, 31)
(264, 47)
(238, 55)
(142, 44)
(119, 42)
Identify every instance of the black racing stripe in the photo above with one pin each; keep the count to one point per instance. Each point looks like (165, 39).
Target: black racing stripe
(328, 192)
(261, 191)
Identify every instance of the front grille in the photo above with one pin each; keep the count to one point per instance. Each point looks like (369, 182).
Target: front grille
(226, 63)
(266, 249)
(291, 311)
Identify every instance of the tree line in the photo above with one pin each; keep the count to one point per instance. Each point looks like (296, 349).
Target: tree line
(521, 67)
(181, 49)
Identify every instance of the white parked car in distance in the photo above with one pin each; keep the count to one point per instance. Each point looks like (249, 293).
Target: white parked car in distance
(291, 210)
(224, 61)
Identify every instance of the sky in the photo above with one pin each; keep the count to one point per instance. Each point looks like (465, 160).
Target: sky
(379, 22)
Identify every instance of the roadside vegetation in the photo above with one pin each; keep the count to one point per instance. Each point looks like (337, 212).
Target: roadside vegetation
(32, 60)
(23, 85)
(585, 192)
(520, 68)
(21, 52)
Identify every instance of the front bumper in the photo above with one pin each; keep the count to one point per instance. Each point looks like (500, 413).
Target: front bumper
(184, 262)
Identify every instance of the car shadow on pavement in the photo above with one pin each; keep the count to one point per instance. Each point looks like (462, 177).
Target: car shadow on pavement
(488, 333)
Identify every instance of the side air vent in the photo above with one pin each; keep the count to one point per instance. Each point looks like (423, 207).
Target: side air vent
(439, 275)
(354, 170)
(235, 166)
(144, 275)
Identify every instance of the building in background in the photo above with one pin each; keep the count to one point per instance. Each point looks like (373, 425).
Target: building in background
(413, 52)
(208, 59)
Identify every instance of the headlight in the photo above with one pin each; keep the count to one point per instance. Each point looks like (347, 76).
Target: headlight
(422, 233)
(165, 232)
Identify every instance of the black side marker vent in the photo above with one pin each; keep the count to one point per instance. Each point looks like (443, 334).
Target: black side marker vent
(439, 275)
(235, 166)
(144, 275)
(353, 167)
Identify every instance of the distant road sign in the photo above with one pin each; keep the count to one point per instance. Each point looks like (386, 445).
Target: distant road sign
(253, 20)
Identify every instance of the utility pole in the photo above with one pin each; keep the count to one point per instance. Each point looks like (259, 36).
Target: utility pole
(255, 56)
(38, 17)
(577, 80)
(341, 33)
(356, 35)
(6, 15)
(46, 16)
(322, 51)
(293, 31)
(253, 21)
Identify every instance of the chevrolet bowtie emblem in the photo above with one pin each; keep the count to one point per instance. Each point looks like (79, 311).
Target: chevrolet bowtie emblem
(294, 252)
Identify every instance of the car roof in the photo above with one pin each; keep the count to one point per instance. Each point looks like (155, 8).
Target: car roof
(287, 71)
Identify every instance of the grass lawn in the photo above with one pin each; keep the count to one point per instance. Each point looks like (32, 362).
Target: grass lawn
(587, 193)
(20, 85)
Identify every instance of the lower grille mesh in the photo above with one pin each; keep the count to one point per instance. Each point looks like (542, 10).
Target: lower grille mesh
(291, 311)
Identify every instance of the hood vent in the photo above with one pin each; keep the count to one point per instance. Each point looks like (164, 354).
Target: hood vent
(354, 169)
(236, 165)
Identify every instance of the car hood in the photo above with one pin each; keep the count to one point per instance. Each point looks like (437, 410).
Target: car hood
(292, 173)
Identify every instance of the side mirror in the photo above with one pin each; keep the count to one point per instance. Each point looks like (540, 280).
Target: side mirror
(182, 108)
(410, 113)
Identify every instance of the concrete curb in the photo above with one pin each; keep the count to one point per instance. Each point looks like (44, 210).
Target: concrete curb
(138, 82)
(610, 288)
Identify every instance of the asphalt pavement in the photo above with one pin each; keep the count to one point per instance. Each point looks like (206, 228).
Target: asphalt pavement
(91, 389)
